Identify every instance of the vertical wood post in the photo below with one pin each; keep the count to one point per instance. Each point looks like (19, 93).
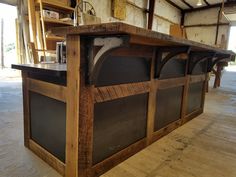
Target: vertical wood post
(151, 13)
(32, 22)
(72, 105)
(25, 91)
(151, 102)
(185, 98)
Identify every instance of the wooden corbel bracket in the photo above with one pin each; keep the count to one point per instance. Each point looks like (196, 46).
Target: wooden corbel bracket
(216, 59)
(165, 54)
(197, 57)
(107, 44)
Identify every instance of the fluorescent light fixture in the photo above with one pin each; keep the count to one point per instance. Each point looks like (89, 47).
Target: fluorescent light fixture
(199, 3)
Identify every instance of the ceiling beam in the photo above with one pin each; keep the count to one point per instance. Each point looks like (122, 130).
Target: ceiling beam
(228, 3)
(187, 4)
(173, 4)
(206, 2)
(150, 13)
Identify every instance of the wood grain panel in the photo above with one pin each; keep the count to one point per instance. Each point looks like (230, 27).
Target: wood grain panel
(107, 93)
(48, 89)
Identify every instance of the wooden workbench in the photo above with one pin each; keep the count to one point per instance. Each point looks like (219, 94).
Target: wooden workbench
(122, 89)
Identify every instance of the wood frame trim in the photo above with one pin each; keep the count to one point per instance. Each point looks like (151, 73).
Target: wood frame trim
(47, 89)
(197, 78)
(86, 118)
(107, 93)
(26, 108)
(115, 159)
(185, 97)
(72, 105)
(192, 115)
(170, 83)
(165, 130)
(54, 162)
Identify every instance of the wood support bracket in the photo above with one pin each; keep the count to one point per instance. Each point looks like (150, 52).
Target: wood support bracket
(107, 45)
(216, 59)
(165, 54)
(197, 57)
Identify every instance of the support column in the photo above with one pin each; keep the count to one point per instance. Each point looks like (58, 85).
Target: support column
(72, 105)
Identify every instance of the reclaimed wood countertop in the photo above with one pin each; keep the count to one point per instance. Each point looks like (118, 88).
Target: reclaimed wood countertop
(148, 37)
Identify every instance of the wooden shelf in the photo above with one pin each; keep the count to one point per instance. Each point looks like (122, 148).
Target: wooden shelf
(58, 7)
(55, 38)
(55, 21)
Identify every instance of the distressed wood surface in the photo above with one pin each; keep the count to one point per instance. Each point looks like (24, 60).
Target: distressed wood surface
(72, 106)
(107, 93)
(50, 90)
(146, 36)
(151, 110)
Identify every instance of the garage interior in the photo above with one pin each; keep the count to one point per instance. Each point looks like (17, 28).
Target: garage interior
(203, 146)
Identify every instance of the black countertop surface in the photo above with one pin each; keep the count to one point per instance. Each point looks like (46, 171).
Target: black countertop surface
(52, 69)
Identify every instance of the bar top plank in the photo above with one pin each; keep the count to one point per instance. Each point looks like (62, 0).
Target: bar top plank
(150, 37)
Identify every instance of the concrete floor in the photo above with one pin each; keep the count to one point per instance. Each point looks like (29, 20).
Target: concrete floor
(204, 147)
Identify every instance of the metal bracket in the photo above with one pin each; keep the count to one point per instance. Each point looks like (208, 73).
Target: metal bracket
(107, 45)
(167, 53)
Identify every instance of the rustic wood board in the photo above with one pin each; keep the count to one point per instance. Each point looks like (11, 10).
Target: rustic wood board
(152, 37)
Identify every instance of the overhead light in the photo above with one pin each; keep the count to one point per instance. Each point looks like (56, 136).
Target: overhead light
(199, 3)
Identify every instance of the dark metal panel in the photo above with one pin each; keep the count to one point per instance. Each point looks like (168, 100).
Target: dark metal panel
(173, 68)
(118, 124)
(200, 68)
(194, 97)
(120, 70)
(48, 124)
(168, 107)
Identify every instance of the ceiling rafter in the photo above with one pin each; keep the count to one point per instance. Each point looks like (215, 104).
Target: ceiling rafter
(206, 2)
(187, 4)
(175, 5)
(227, 3)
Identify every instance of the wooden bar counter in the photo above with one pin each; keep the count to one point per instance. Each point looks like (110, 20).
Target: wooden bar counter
(122, 89)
